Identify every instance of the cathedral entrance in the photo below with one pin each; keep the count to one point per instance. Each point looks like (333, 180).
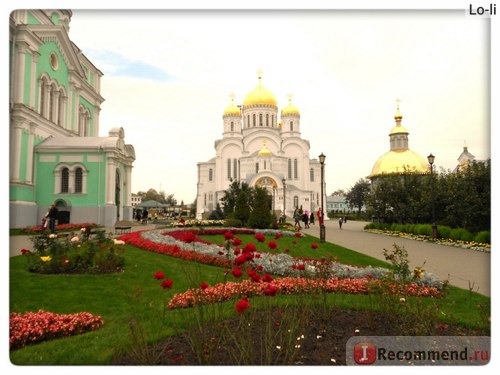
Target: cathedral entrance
(271, 186)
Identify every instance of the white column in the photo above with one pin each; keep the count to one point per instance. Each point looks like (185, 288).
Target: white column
(15, 146)
(110, 180)
(19, 70)
(127, 184)
(55, 107)
(29, 160)
(34, 86)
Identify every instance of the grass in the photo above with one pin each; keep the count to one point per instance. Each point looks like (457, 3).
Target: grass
(133, 295)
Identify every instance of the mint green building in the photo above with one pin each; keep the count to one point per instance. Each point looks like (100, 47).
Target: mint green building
(56, 154)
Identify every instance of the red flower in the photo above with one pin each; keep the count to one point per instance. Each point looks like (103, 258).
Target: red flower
(237, 272)
(267, 278)
(271, 290)
(237, 241)
(159, 275)
(242, 305)
(272, 245)
(25, 251)
(228, 235)
(189, 237)
(260, 237)
(253, 275)
(277, 236)
(237, 251)
(314, 246)
(287, 250)
(203, 285)
(167, 283)
(249, 248)
(240, 259)
(298, 234)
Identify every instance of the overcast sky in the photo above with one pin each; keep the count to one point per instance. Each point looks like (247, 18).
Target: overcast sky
(168, 75)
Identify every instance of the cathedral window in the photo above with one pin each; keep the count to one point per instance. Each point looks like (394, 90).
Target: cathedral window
(295, 168)
(228, 168)
(291, 126)
(232, 126)
(272, 121)
(205, 199)
(78, 180)
(65, 180)
(235, 168)
(296, 201)
(253, 119)
(311, 174)
(257, 167)
(260, 119)
(289, 169)
(267, 119)
(210, 174)
(248, 121)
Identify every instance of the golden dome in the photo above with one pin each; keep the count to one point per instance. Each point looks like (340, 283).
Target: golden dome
(398, 129)
(264, 151)
(290, 109)
(259, 95)
(400, 161)
(232, 109)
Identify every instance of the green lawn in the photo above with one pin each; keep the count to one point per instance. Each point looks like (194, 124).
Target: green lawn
(134, 296)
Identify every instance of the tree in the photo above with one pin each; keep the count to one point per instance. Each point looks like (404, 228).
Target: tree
(242, 207)
(231, 196)
(216, 214)
(260, 216)
(357, 196)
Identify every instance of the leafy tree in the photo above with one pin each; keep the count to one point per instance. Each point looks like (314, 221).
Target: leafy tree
(231, 196)
(242, 207)
(357, 196)
(260, 216)
(217, 214)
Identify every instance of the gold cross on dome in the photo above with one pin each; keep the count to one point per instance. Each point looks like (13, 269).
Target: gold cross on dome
(289, 96)
(232, 96)
(397, 102)
(259, 73)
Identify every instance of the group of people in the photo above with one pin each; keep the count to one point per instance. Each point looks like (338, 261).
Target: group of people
(307, 218)
(142, 216)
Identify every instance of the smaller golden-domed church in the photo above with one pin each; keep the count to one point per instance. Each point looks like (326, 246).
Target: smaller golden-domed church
(261, 147)
(399, 159)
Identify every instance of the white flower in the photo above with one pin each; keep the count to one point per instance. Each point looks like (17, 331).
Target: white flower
(402, 299)
(75, 239)
(118, 242)
(53, 235)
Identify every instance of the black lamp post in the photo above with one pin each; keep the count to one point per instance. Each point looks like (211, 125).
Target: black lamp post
(284, 199)
(322, 220)
(430, 159)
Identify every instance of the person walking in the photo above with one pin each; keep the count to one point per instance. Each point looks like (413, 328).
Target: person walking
(52, 217)
(297, 218)
(320, 217)
(311, 218)
(145, 215)
(305, 219)
(340, 222)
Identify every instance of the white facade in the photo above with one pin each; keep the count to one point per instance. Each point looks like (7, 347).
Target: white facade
(262, 149)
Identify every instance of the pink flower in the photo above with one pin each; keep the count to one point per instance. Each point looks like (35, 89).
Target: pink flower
(242, 305)
(159, 275)
(167, 283)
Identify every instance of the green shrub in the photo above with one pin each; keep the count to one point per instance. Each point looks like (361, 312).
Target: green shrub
(443, 231)
(236, 223)
(461, 234)
(424, 230)
(483, 237)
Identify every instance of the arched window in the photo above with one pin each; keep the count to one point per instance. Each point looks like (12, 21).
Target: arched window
(235, 169)
(257, 167)
(289, 169)
(78, 180)
(296, 201)
(248, 121)
(210, 174)
(65, 180)
(232, 126)
(260, 119)
(267, 119)
(228, 169)
(295, 168)
(311, 174)
(291, 126)
(253, 119)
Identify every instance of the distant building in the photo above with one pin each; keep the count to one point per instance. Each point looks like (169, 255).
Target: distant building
(464, 160)
(264, 148)
(337, 203)
(135, 199)
(56, 154)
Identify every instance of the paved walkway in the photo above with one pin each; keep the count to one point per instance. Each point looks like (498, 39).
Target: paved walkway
(463, 268)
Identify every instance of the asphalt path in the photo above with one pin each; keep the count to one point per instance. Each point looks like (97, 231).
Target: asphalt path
(464, 268)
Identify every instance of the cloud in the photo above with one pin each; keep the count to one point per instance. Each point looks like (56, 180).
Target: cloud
(114, 64)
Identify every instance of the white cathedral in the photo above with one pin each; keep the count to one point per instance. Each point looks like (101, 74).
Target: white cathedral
(261, 147)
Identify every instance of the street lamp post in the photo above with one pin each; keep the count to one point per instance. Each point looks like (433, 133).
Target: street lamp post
(284, 199)
(430, 159)
(322, 219)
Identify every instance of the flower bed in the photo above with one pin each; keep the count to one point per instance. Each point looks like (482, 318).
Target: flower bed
(292, 285)
(34, 327)
(281, 264)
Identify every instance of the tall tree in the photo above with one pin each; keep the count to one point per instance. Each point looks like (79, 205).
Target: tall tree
(357, 196)
(260, 216)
